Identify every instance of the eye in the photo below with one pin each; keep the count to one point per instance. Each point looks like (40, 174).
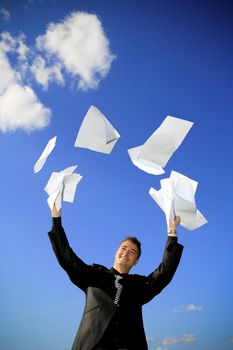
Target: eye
(132, 252)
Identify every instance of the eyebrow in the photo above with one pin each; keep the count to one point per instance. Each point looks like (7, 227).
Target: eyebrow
(131, 249)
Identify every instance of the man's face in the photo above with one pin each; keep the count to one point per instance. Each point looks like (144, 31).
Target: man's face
(126, 256)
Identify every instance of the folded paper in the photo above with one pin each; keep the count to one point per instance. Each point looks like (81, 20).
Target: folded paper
(44, 155)
(62, 187)
(154, 154)
(177, 197)
(96, 133)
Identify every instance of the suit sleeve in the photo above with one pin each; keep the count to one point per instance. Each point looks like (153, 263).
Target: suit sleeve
(79, 272)
(155, 282)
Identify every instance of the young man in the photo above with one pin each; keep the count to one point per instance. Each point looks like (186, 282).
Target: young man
(112, 318)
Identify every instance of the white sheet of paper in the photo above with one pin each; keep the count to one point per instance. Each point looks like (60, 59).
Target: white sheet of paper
(154, 154)
(177, 197)
(62, 187)
(44, 155)
(96, 133)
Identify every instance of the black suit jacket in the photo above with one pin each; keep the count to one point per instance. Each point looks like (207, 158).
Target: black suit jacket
(98, 283)
(98, 312)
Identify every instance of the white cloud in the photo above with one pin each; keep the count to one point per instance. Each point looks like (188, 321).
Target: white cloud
(160, 348)
(192, 307)
(20, 109)
(19, 105)
(8, 75)
(45, 74)
(189, 307)
(80, 46)
(7, 42)
(186, 338)
(16, 45)
(76, 48)
(4, 14)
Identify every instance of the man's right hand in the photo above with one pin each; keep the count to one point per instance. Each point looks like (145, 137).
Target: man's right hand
(55, 212)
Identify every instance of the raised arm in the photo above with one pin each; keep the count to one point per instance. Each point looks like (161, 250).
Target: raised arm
(163, 274)
(78, 271)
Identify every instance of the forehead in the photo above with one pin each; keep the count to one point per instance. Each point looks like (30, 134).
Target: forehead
(128, 244)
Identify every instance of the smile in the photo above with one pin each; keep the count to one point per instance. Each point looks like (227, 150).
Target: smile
(123, 259)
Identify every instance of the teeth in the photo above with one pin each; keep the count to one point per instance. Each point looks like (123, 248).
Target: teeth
(123, 259)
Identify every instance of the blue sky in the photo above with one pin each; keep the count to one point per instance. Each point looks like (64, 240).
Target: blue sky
(149, 59)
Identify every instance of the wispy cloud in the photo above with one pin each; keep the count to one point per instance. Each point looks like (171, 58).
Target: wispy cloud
(19, 105)
(150, 339)
(79, 46)
(29, 3)
(186, 338)
(4, 14)
(187, 308)
(45, 74)
(15, 45)
(231, 339)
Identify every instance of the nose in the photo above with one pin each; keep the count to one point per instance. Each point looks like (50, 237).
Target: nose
(126, 252)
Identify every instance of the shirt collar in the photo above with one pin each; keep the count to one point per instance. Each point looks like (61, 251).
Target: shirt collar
(115, 272)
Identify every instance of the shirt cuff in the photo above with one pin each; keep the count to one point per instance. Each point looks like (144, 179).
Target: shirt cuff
(172, 239)
(56, 222)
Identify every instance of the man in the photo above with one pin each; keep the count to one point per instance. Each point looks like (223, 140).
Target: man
(112, 318)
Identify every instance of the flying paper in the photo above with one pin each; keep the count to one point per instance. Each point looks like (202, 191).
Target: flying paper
(62, 186)
(177, 197)
(44, 155)
(96, 133)
(154, 154)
